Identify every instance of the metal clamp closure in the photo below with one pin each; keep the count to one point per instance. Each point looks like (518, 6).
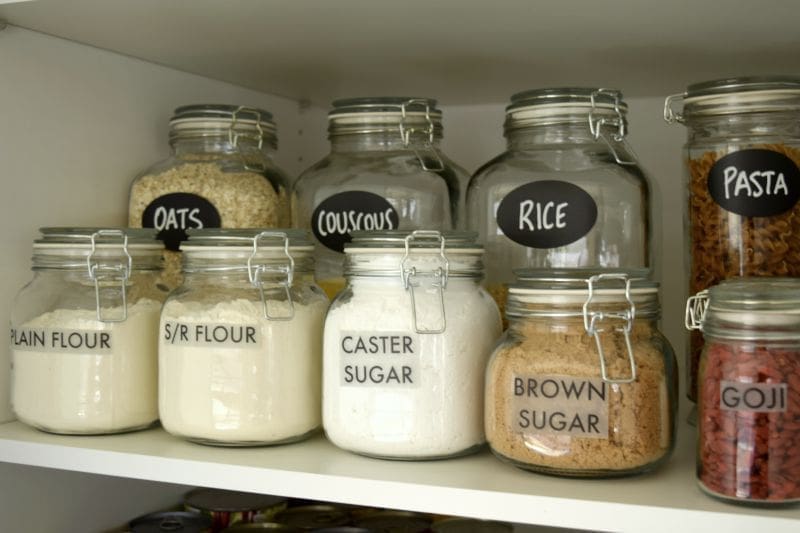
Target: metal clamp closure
(592, 321)
(108, 276)
(670, 115)
(696, 307)
(413, 278)
(280, 276)
(599, 125)
(406, 131)
(234, 136)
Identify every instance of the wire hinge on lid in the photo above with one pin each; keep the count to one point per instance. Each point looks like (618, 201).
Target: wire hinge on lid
(696, 307)
(616, 142)
(428, 148)
(279, 276)
(234, 136)
(593, 320)
(413, 278)
(110, 278)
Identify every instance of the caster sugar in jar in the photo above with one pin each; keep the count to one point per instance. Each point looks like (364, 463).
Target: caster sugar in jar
(84, 332)
(240, 343)
(406, 345)
(583, 383)
(749, 394)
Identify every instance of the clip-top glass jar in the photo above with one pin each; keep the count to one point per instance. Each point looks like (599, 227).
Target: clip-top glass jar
(742, 154)
(84, 332)
(566, 193)
(749, 389)
(240, 346)
(221, 174)
(406, 345)
(583, 383)
(385, 171)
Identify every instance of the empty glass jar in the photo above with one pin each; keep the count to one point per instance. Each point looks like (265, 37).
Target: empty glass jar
(566, 193)
(386, 171)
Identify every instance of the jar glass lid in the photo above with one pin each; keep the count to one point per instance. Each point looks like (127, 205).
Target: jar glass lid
(568, 97)
(386, 105)
(231, 239)
(420, 240)
(83, 239)
(238, 122)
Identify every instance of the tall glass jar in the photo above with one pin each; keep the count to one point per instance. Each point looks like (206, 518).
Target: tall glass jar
(566, 193)
(742, 183)
(749, 389)
(221, 174)
(406, 345)
(385, 171)
(583, 383)
(84, 332)
(240, 343)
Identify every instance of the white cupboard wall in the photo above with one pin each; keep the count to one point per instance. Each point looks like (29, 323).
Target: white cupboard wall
(77, 123)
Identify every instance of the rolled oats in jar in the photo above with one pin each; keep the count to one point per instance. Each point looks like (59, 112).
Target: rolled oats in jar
(742, 155)
(583, 382)
(221, 174)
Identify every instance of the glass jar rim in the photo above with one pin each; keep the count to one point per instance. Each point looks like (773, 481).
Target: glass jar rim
(418, 240)
(568, 97)
(391, 106)
(215, 120)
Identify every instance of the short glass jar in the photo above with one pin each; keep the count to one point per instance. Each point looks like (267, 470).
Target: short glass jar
(221, 174)
(567, 192)
(749, 395)
(240, 344)
(406, 345)
(742, 175)
(385, 171)
(583, 383)
(84, 332)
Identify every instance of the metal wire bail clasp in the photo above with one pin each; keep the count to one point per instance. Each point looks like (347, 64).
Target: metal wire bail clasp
(282, 274)
(593, 319)
(406, 131)
(597, 126)
(670, 115)
(234, 136)
(411, 278)
(109, 275)
(696, 307)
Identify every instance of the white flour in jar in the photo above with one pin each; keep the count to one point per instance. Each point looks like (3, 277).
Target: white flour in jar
(74, 374)
(230, 376)
(391, 392)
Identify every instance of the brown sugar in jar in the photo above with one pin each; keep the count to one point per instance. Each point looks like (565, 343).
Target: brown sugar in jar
(743, 178)
(553, 407)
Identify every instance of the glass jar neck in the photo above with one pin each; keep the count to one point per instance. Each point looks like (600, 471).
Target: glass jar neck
(563, 133)
(747, 126)
(382, 141)
(219, 144)
(239, 279)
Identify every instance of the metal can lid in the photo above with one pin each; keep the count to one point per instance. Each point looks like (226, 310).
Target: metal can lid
(213, 500)
(394, 522)
(313, 516)
(470, 525)
(175, 521)
(261, 526)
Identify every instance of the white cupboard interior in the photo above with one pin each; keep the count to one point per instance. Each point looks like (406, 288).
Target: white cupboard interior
(87, 87)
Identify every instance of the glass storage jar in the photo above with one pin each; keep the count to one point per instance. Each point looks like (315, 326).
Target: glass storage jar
(741, 172)
(749, 394)
(240, 343)
(385, 171)
(406, 345)
(566, 193)
(221, 174)
(583, 383)
(84, 332)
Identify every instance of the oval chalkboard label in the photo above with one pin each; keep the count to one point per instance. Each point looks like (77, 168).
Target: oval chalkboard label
(338, 215)
(755, 183)
(172, 214)
(546, 214)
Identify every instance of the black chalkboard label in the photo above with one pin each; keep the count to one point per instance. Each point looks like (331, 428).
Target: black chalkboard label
(755, 183)
(546, 214)
(172, 214)
(338, 215)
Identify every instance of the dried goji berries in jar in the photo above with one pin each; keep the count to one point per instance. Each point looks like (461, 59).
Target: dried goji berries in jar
(749, 394)
(742, 160)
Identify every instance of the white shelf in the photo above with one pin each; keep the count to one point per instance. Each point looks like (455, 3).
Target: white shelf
(478, 485)
(460, 51)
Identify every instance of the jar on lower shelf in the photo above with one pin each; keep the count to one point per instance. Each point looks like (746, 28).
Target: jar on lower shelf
(749, 393)
(84, 332)
(583, 383)
(241, 340)
(406, 345)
